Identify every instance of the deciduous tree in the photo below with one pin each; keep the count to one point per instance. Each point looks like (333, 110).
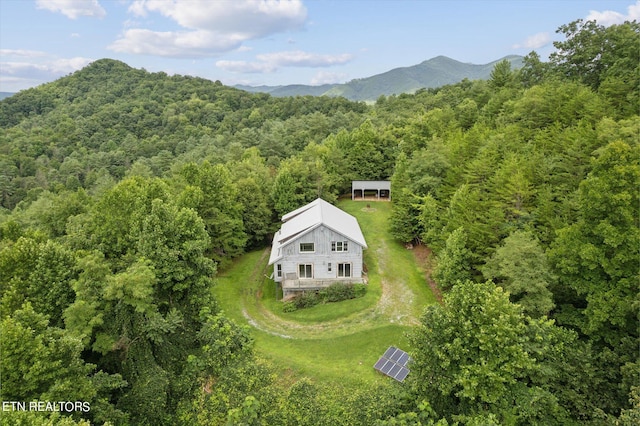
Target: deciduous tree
(39, 273)
(520, 266)
(477, 356)
(597, 255)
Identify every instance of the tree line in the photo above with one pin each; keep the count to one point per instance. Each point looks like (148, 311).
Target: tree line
(123, 192)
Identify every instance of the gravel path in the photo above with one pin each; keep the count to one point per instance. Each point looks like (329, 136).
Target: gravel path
(397, 298)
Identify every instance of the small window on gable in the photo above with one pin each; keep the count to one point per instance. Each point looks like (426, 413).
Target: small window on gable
(307, 247)
(339, 246)
(279, 270)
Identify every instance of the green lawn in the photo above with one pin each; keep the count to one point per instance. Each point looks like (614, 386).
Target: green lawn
(348, 359)
(335, 341)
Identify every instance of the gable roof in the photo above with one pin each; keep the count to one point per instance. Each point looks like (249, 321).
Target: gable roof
(310, 216)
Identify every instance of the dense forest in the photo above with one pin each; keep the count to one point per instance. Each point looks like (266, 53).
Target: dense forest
(122, 192)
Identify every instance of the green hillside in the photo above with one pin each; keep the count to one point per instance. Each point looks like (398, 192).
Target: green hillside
(288, 90)
(136, 217)
(435, 72)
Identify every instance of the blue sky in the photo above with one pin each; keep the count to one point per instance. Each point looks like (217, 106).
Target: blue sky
(277, 42)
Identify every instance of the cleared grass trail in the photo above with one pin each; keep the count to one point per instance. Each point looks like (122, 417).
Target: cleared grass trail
(337, 340)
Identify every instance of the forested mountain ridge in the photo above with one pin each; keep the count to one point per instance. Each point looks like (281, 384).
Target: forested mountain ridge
(124, 191)
(432, 73)
(105, 81)
(110, 115)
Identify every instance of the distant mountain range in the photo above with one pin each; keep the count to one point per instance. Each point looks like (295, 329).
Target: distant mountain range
(435, 72)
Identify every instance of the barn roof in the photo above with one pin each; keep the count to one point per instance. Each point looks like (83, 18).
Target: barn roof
(309, 217)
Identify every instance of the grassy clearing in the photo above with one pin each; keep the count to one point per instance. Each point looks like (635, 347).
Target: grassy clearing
(239, 284)
(348, 359)
(335, 341)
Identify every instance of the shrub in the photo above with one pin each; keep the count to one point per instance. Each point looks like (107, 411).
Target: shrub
(306, 300)
(336, 292)
(289, 306)
(339, 291)
(359, 290)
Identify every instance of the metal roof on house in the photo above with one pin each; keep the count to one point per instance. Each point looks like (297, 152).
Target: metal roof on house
(309, 217)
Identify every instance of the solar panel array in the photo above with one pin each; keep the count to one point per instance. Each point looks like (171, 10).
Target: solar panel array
(393, 363)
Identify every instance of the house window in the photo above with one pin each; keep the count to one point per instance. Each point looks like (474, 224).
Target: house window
(307, 247)
(329, 267)
(279, 270)
(344, 270)
(305, 271)
(339, 245)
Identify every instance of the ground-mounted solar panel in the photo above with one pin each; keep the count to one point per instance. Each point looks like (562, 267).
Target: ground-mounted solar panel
(393, 363)
(389, 352)
(386, 368)
(395, 369)
(402, 374)
(380, 363)
(395, 355)
(403, 360)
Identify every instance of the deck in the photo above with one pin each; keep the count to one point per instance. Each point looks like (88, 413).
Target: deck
(295, 285)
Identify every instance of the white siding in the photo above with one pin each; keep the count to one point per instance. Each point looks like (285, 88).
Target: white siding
(322, 237)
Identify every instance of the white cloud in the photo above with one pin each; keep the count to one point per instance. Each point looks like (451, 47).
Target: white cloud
(23, 69)
(606, 18)
(34, 68)
(298, 58)
(69, 65)
(535, 41)
(210, 27)
(634, 12)
(253, 17)
(610, 17)
(21, 53)
(177, 44)
(73, 9)
(324, 77)
(271, 62)
(47, 70)
(246, 67)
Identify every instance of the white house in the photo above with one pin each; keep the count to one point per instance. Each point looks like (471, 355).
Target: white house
(316, 246)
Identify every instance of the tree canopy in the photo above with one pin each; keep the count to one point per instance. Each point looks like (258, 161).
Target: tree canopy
(123, 192)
